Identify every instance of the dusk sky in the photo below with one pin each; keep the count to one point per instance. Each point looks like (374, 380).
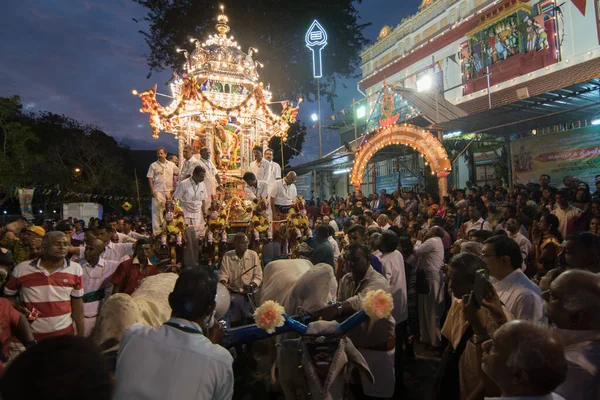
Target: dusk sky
(82, 58)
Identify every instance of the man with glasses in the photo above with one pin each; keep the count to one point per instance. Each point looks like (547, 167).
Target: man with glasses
(520, 295)
(51, 285)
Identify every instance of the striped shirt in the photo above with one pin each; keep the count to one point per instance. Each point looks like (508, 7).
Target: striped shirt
(97, 285)
(49, 293)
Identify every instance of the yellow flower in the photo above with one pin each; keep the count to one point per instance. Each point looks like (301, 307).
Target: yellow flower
(269, 316)
(378, 304)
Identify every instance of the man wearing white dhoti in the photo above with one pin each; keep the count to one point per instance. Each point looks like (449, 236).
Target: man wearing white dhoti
(160, 179)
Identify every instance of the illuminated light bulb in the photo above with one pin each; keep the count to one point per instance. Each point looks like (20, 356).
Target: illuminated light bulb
(134, 92)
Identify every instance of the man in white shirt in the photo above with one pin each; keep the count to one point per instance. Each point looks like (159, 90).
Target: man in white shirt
(476, 222)
(334, 244)
(189, 163)
(241, 272)
(96, 282)
(193, 198)
(392, 265)
(431, 306)
(331, 222)
(369, 221)
(275, 171)
(255, 189)
(512, 227)
(112, 251)
(212, 180)
(282, 194)
(128, 230)
(160, 179)
(182, 358)
(564, 212)
(519, 294)
(525, 361)
(383, 222)
(260, 167)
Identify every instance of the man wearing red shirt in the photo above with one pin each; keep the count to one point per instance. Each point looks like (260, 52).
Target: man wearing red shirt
(52, 285)
(130, 272)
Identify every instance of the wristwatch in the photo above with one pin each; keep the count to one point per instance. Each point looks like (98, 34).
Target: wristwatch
(338, 307)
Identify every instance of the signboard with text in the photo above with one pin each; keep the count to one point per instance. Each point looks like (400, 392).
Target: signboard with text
(575, 153)
(304, 185)
(387, 182)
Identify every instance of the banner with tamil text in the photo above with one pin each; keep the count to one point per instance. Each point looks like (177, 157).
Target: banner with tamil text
(387, 182)
(574, 153)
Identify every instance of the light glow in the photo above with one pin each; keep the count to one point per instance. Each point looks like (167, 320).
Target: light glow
(596, 122)
(341, 171)
(314, 117)
(424, 83)
(361, 112)
(316, 40)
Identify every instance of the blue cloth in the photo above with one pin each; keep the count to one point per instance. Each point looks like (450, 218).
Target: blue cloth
(376, 264)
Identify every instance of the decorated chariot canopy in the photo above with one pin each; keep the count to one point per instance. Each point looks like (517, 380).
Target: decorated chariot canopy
(219, 102)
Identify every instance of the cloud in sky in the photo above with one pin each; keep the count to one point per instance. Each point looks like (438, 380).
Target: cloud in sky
(82, 58)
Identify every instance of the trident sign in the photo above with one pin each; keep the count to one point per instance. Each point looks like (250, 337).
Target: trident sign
(316, 39)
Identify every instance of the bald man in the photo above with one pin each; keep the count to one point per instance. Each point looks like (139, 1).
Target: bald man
(573, 304)
(282, 194)
(383, 222)
(525, 360)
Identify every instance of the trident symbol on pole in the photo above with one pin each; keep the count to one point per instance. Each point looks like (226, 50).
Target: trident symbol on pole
(316, 40)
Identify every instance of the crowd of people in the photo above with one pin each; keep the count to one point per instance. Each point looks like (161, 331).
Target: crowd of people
(503, 283)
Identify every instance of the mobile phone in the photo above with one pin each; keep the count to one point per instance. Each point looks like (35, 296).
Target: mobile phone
(33, 314)
(481, 286)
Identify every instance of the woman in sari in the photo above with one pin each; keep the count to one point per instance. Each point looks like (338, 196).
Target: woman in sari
(547, 240)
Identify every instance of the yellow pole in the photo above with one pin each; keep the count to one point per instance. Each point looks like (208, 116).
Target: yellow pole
(282, 163)
(137, 189)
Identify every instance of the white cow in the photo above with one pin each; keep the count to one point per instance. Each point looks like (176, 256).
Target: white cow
(148, 305)
(301, 287)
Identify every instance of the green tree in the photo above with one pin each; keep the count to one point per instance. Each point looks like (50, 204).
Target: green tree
(275, 27)
(16, 159)
(291, 147)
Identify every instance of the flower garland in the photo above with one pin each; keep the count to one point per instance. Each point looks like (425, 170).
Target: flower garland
(296, 229)
(260, 222)
(217, 220)
(173, 223)
(376, 304)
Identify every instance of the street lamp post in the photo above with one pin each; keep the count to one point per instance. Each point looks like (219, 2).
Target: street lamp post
(316, 40)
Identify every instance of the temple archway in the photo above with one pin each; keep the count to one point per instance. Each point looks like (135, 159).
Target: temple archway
(417, 138)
